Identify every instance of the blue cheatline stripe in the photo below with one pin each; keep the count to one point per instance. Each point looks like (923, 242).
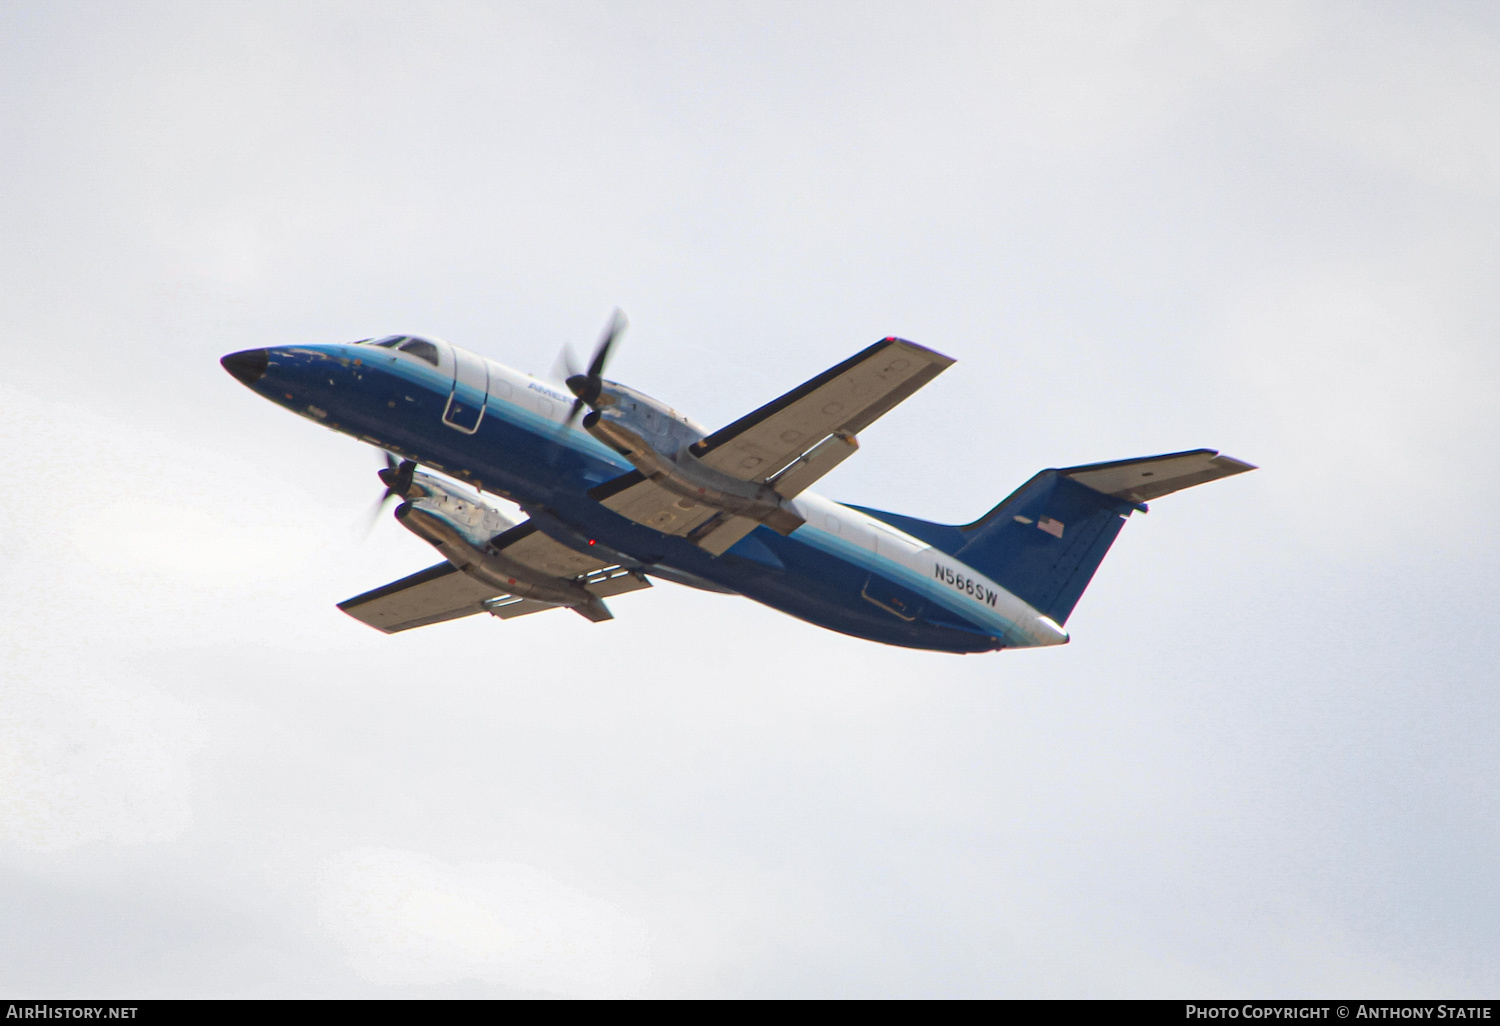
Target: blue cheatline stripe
(512, 412)
(551, 431)
(924, 586)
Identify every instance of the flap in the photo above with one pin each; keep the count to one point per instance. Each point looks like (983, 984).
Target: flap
(844, 399)
(636, 497)
(1151, 477)
(614, 580)
(436, 594)
(508, 607)
(529, 546)
(725, 532)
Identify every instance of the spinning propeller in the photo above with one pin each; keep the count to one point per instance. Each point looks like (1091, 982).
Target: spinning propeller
(397, 477)
(586, 385)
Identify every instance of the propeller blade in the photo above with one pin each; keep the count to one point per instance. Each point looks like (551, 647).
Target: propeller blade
(397, 478)
(586, 386)
(566, 364)
(615, 328)
(577, 408)
(373, 516)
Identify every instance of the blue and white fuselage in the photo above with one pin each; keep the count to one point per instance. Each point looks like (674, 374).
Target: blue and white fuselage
(510, 434)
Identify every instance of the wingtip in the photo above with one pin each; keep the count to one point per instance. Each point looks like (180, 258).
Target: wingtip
(947, 360)
(1233, 465)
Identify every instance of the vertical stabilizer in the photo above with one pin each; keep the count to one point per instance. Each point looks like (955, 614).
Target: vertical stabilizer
(1044, 542)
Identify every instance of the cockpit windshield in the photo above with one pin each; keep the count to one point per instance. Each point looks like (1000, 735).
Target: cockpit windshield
(422, 349)
(419, 347)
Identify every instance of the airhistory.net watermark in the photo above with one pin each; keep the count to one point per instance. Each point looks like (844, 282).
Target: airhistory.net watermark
(44, 1010)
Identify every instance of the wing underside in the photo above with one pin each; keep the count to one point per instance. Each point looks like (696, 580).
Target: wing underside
(840, 402)
(444, 592)
(639, 498)
(436, 594)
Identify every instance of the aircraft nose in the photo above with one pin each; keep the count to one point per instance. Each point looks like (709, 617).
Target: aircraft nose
(248, 366)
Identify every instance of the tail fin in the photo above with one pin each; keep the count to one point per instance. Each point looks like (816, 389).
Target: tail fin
(1044, 542)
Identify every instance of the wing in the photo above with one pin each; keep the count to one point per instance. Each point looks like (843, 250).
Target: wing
(794, 440)
(787, 444)
(444, 592)
(436, 594)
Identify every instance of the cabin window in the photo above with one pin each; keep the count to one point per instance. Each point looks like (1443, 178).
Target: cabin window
(421, 349)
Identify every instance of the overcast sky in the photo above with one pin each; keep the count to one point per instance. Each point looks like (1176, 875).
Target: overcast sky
(1265, 766)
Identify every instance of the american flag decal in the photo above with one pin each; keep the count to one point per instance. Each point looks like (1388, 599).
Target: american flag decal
(1052, 527)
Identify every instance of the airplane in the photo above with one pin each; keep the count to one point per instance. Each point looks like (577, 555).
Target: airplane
(636, 490)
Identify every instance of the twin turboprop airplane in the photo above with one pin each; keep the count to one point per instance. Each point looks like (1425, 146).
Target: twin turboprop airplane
(642, 491)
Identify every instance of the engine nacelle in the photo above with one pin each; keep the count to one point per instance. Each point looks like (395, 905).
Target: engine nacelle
(461, 526)
(656, 440)
(469, 516)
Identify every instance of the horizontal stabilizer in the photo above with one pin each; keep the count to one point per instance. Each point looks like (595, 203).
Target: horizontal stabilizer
(1152, 477)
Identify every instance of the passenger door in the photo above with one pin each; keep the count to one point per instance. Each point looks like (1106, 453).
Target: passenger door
(471, 386)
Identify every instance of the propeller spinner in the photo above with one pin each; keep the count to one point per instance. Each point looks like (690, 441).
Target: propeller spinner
(397, 477)
(587, 385)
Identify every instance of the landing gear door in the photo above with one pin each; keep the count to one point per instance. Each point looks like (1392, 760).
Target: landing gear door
(471, 385)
